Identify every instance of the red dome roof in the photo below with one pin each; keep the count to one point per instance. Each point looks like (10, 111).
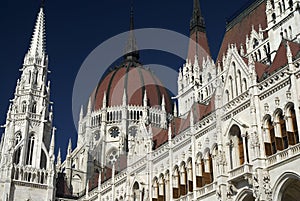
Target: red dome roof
(135, 79)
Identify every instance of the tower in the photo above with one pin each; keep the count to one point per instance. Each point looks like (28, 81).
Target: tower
(29, 138)
(196, 76)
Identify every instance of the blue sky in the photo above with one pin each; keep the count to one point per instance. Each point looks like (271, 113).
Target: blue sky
(75, 28)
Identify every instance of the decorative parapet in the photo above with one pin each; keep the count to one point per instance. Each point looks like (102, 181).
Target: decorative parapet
(240, 173)
(30, 175)
(284, 155)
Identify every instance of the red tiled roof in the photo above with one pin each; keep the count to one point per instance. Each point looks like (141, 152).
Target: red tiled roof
(199, 44)
(160, 136)
(237, 33)
(135, 80)
(280, 59)
(259, 67)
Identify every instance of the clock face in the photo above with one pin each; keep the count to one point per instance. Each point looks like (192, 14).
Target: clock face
(114, 132)
(133, 131)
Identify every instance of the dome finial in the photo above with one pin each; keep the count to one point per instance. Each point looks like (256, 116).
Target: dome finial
(131, 17)
(131, 51)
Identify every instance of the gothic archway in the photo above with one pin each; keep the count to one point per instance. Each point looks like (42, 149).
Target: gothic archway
(287, 188)
(245, 195)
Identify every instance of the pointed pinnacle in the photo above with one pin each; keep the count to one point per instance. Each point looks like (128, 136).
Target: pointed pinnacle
(69, 147)
(170, 132)
(38, 43)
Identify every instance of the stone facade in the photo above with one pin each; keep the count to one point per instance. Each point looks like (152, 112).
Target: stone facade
(232, 136)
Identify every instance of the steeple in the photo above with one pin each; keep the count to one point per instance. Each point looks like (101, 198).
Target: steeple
(197, 21)
(38, 40)
(198, 44)
(131, 50)
(29, 141)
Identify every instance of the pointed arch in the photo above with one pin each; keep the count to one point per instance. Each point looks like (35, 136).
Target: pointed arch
(280, 130)
(30, 148)
(18, 147)
(287, 187)
(269, 136)
(176, 182)
(24, 107)
(136, 191)
(292, 125)
(236, 147)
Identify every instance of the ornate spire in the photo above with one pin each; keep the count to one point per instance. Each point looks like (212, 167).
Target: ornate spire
(38, 41)
(197, 21)
(131, 50)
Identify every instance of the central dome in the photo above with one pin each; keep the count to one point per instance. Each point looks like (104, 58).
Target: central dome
(135, 80)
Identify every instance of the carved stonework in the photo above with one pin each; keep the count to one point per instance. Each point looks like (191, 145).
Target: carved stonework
(267, 187)
(221, 161)
(256, 191)
(254, 141)
(231, 191)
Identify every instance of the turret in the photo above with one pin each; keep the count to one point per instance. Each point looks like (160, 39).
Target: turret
(27, 138)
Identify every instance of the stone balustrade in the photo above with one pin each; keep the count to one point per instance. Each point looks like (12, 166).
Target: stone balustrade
(284, 155)
(30, 174)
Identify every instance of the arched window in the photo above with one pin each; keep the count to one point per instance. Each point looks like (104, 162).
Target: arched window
(190, 175)
(227, 95)
(176, 183)
(161, 189)
(231, 86)
(17, 154)
(286, 34)
(291, 4)
(24, 106)
(281, 140)
(43, 162)
(236, 147)
(283, 132)
(18, 138)
(183, 180)
(255, 43)
(29, 77)
(290, 32)
(207, 169)
(292, 128)
(245, 84)
(259, 55)
(136, 192)
(33, 107)
(274, 17)
(155, 189)
(270, 145)
(273, 4)
(36, 77)
(30, 150)
(209, 77)
(280, 8)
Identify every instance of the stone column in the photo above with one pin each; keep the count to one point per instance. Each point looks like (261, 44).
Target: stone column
(244, 148)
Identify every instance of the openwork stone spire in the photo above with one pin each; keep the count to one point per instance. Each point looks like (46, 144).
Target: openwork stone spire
(38, 41)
